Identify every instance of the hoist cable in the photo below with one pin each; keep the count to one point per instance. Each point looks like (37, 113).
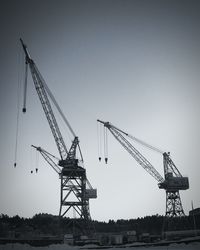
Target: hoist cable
(25, 88)
(104, 140)
(31, 160)
(37, 160)
(145, 144)
(105, 144)
(99, 140)
(58, 107)
(18, 110)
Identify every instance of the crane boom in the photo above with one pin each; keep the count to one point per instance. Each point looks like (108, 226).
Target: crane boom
(49, 158)
(118, 134)
(40, 88)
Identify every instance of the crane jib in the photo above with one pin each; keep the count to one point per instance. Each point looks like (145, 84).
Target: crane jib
(173, 181)
(43, 92)
(136, 155)
(120, 136)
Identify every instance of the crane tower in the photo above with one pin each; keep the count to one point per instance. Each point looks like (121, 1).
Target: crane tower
(172, 182)
(75, 189)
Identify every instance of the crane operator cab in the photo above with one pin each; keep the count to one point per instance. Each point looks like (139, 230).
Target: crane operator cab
(174, 181)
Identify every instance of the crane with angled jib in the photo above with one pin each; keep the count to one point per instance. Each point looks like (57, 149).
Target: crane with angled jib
(75, 190)
(173, 180)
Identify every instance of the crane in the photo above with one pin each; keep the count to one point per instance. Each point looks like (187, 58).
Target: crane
(75, 189)
(172, 182)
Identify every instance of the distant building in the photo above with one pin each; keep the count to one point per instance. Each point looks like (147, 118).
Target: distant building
(195, 211)
(69, 239)
(116, 239)
(177, 235)
(110, 238)
(144, 237)
(130, 236)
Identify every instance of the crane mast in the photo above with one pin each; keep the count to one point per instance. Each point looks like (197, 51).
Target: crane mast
(172, 182)
(74, 193)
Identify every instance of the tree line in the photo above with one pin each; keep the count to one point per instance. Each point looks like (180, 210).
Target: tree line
(48, 224)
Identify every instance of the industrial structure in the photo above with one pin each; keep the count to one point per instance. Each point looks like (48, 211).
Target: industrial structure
(75, 189)
(172, 182)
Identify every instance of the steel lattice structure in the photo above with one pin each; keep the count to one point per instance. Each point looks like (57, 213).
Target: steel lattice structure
(172, 182)
(75, 189)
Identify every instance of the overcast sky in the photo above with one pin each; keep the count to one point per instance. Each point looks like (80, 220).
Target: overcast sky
(133, 63)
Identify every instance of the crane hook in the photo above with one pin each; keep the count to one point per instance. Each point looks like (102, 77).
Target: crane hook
(106, 160)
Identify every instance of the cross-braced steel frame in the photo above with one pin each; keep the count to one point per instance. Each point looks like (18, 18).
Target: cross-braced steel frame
(174, 206)
(73, 195)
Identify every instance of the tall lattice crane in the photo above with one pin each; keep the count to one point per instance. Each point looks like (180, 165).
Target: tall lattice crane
(172, 182)
(75, 190)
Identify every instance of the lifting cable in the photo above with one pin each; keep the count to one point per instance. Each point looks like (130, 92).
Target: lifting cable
(105, 144)
(18, 108)
(17, 126)
(102, 132)
(25, 87)
(37, 161)
(99, 140)
(57, 106)
(146, 144)
(31, 160)
(34, 160)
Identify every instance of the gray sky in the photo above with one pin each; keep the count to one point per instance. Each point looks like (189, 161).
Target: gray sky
(133, 63)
